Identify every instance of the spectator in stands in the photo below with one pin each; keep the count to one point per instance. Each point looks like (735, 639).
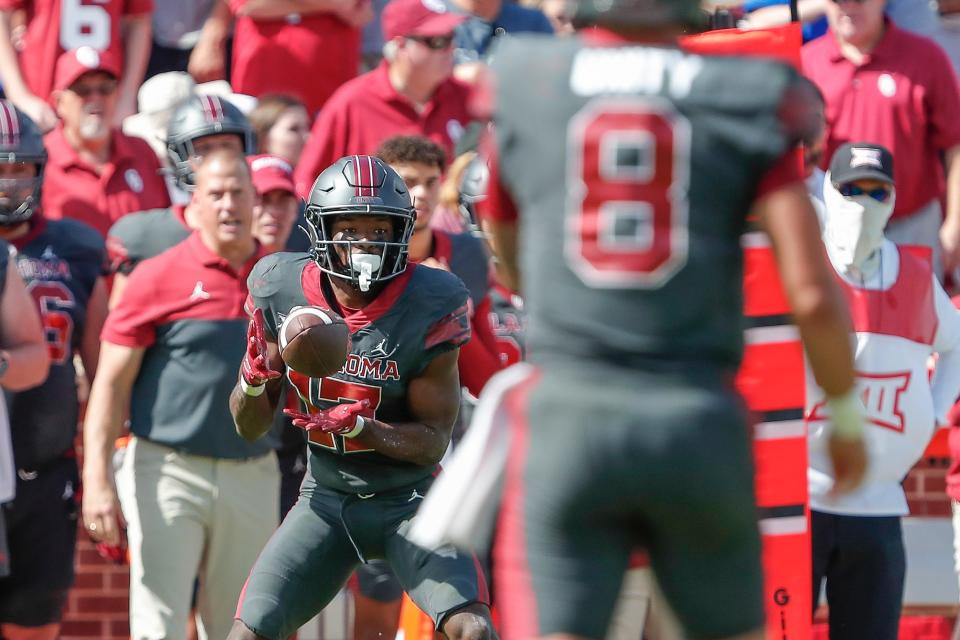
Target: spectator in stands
(96, 174)
(176, 30)
(55, 26)
(277, 203)
(282, 127)
(885, 85)
(61, 262)
(490, 19)
(411, 92)
(305, 49)
(901, 316)
(198, 500)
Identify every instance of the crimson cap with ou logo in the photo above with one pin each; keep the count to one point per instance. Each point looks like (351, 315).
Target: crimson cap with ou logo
(271, 173)
(77, 62)
(418, 18)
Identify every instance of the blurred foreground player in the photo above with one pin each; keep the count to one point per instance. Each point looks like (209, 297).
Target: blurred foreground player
(632, 272)
(378, 427)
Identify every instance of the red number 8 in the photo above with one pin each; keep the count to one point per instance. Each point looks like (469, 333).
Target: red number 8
(628, 171)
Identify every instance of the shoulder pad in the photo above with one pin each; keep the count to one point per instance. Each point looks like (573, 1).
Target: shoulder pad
(274, 271)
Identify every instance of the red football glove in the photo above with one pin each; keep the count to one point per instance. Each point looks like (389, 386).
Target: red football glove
(116, 553)
(255, 367)
(339, 419)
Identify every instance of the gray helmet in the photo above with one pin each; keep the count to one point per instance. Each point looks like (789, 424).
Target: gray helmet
(473, 190)
(640, 13)
(200, 116)
(20, 141)
(359, 185)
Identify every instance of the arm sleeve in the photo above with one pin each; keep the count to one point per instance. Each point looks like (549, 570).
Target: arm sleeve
(945, 384)
(452, 330)
(133, 322)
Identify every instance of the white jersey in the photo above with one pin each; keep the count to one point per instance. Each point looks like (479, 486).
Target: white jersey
(901, 316)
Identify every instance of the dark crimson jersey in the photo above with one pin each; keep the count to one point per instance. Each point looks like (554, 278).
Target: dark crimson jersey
(60, 261)
(634, 168)
(419, 315)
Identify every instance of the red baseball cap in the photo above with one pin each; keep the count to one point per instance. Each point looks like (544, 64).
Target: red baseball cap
(271, 173)
(76, 62)
(418, 18)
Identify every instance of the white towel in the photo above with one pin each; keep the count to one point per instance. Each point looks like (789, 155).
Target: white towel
(461, 506)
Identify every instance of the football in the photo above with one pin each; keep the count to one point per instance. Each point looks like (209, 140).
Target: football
(314, 341)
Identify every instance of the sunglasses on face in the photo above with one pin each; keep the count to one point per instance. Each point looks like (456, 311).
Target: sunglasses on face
(434, 43)
(880, 194)
(102, 90)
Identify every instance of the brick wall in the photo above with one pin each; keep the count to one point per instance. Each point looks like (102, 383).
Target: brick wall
(97, 608)
(926, 488)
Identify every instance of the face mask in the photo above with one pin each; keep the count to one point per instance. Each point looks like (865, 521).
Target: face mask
(364, 265)
(853, 227)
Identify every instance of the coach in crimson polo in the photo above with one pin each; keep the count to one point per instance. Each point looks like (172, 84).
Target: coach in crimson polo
(197, 498)
(95, 173)
(410, 93)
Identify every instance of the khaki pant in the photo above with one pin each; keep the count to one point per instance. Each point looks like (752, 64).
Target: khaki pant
(192, 517)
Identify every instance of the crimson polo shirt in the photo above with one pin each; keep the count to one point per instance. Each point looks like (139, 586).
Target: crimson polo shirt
(130, 181)
(274, 56)
(185, 308)
(904, 96)
(367, 110)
